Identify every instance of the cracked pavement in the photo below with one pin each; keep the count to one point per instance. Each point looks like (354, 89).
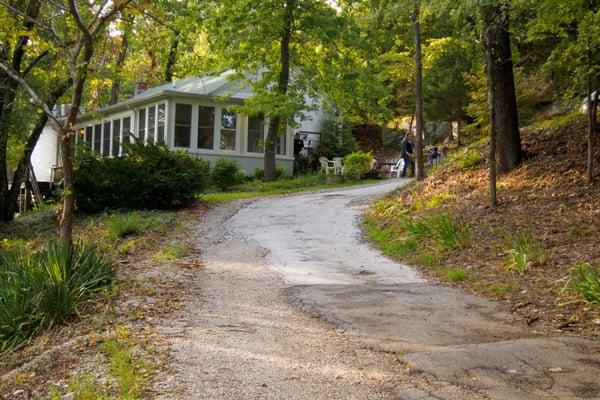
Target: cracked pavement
(455, 345)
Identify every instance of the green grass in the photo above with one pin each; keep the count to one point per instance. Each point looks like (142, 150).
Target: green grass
(172, 252)
(127, 368)
(585, 280)
(471, 160)
(453, 274)
(120, 225)
(257, 188)
(527, 252)
(432, 202)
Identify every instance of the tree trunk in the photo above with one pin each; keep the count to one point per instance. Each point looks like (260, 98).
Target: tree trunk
(172, 59)
(458, 126)
(19, 175)
(9, 94)
(490, 59)
(116, 85)
(284, 77)
(418, 150)
(501, 81)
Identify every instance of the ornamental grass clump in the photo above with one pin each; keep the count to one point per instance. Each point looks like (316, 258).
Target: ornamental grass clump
(38, 290)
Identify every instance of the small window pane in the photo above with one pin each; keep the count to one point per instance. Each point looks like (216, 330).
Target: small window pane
(142, 124)
(97, 138)
(206, 127)
(281, 145)
(183, 125)
(228, 130)
(106, 140)
(126, 133)
(256, 129)
(89, 135)
(151, 123)
(116, 140)
(161, 124)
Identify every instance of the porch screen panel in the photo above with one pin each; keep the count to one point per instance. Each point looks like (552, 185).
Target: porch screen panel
(106, 140)
(116, 140)
(183, 125)
(126, 134)
(228, 130)
(142, 124)
(206, 127)
(160, 129)
(151, 123)
(256, 131)
(97, 138)
(281, 145)
(89, 135)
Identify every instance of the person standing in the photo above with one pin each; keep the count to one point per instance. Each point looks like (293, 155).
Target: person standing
(298, 145)
(407, 155)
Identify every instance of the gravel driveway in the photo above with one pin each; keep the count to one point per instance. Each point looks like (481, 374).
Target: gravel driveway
(290, 304)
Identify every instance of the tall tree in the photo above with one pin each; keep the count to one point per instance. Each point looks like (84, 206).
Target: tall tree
(495, 18)
(79, 32)
(418, 151)
(13, 51)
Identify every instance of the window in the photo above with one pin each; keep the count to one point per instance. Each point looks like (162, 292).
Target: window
(161, 124)
(183, 125)
(228, 130)
(206, 127)
(151, 123)
(281, 145)
(126, 133)
(142, 124)
(256, 132)
(106, 140)
(116, 140)
(97, 138)
(89, 136)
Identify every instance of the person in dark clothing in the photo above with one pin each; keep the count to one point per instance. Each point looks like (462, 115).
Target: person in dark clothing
(298, 145)
(407, 155)
(434, 157)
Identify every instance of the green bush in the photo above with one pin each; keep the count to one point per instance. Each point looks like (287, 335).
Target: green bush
(226, 174)
(585, 280)
(336, 140)
(357, 165)
(259, 173)
(40, 289)
(149, 177)
(470, 161)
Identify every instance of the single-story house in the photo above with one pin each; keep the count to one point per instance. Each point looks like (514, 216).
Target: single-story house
(188, 115)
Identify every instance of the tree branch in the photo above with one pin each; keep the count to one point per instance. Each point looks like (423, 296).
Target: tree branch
(35, 99)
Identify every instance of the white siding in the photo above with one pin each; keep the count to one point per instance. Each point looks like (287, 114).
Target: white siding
(45, 155)
(313, 119)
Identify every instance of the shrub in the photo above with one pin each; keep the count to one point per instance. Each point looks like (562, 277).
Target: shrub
(259, 173)
(336, 140)
(585, 280)
(357, 165)
(40, 289)
(226, 174)
(149, 177)
(470, 161)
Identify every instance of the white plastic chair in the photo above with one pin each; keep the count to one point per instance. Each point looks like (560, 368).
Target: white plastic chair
(327, 165)
(397, 168)
(337, 165)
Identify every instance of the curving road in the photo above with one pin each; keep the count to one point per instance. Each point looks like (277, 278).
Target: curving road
(314, 242)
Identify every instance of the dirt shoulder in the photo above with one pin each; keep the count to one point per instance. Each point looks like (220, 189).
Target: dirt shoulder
(543, 204)
(111, 350)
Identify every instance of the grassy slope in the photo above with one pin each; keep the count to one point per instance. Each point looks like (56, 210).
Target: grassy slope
(544, 203)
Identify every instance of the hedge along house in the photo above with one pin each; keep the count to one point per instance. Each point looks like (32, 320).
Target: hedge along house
(188, 115)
